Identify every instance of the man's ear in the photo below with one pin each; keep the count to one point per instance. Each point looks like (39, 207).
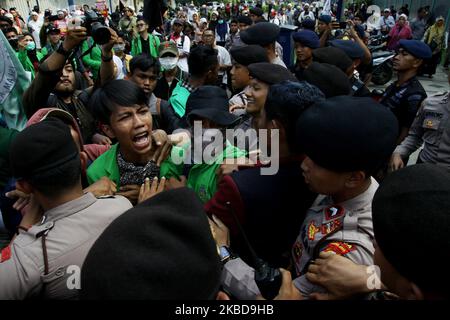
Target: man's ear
(107, 130)
(417, 63)
(222, 296)
(84, 161)
(24, 186)
(355, 179)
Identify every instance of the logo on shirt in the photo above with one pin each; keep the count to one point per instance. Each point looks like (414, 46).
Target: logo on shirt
(340, 248)
(5, 254)
(312, 230)
(334, 212)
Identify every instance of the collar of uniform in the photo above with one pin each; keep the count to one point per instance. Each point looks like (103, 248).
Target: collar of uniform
(70, 207)
(353, 204)
(362, 200)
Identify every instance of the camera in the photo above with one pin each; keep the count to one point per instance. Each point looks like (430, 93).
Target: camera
(96, 27)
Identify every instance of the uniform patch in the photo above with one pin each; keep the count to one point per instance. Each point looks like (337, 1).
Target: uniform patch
(340, 248)
(333, 212)
(297, 251)
(5, 254)
(312, 230)
(331, 226)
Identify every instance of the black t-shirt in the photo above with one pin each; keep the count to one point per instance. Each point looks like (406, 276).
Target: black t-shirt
(145, 45)
(404, 101)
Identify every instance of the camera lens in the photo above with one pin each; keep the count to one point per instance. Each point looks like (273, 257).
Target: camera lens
(100, 33)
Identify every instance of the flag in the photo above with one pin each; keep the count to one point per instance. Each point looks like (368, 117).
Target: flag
(14, 80)
(327, 8)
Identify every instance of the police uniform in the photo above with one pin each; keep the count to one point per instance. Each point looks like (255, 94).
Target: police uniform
(405, 100)
(308, 39)
(37, 262)
(345, 229)
(431, 127)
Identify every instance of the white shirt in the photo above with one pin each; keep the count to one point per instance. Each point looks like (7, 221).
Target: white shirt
(183, 47)
(303, 16)
(36, 27)
(118, 68)
(224, 59)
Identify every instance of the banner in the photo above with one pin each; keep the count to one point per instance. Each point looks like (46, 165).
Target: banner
(14, 80)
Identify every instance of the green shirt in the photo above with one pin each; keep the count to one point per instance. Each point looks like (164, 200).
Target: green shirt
(153, 42)
(203, 177)
(106, 166)
(179, 98)
(93, 60)
(6, 137)
(26, 62)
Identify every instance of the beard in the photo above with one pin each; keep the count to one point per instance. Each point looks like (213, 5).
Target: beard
(64, 91)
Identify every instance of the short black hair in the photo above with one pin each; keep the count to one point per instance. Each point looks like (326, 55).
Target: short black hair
(11, 29)
(113, 94)
(144, 62)
(234, 21)
(201, 59)
(57, 181)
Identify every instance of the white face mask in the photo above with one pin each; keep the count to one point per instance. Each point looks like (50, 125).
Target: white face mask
(168, 63)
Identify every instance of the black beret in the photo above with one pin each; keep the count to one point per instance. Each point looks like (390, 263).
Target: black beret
(210, 102)
(411, 216)
(161, 249)
(334, 56)
(245, 20)
(346, 134)
(263, 33)
(270, 73)
(331, 80)
(256, 11)
(42, 147)
(307, 38)
(417, 48)
(351, 48)
(325, 18)
(246, 55)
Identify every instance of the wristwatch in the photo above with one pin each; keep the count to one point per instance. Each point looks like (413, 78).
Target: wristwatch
(225, 254)
(62, 51)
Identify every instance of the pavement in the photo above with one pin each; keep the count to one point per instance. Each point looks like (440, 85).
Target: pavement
(439, 83)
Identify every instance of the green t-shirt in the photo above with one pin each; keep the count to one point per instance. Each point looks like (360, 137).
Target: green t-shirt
(203, 177)
(178, 99)
(106, 166)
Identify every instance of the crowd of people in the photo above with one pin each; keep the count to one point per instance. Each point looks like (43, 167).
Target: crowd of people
(127, 172)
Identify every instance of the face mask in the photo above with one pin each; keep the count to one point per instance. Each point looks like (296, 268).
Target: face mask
(13, 42)
(220, 21)
(168, 63)
(119, 47)
(30, 46)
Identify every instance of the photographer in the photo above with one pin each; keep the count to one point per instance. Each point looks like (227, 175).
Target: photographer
(55, 83)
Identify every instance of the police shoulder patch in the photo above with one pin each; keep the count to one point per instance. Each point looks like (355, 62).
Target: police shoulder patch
(5, 254)
(340, 248)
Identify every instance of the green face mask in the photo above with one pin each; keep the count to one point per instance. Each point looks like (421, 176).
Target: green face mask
(30, 46)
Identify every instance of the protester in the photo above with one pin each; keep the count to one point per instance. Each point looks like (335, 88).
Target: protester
(400, 31)
(435, 38)
(183, 44)
(222, 55)
(144, 42)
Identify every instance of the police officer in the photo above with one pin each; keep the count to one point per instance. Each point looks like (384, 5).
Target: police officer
(240, 77)
(405, 95)
(264, 34)
(60, 224)
(305, 42)
(431, 127)
(340, 158)
(356, 53)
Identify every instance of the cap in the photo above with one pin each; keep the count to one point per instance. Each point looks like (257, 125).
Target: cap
(203, 20)
(270, 73)
(345, 134)
(331, 80)
(34, 13)
(351, 48)
(334, 56)
(325, 18)
(169, 254)
(416, 48)
(411, 214)
(307, 38)
(210, 102)
(52, 29)
(246, 55)
(245, 20)
(168, 47)
(263, 33)
(42, 147)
